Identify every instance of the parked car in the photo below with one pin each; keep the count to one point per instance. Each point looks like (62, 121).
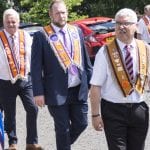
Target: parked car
(31, 28)
(97, 32)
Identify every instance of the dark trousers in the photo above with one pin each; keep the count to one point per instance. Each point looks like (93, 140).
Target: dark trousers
(8, 94)
(125, 125)
(70, 120)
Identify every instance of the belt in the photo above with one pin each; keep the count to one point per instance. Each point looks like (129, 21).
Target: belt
(75, 87)
(128, 105)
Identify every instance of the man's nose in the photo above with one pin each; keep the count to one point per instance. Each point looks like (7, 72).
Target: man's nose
(122, 26)
(11, 24)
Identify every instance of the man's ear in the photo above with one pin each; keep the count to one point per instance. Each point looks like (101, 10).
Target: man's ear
(49, 13)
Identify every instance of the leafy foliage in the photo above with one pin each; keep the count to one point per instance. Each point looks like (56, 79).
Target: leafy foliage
(110, 7)
(37, 10)
(3, 6)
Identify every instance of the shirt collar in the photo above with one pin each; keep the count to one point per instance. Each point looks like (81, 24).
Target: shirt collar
(57, 29)
(9, 35)
(122, 45)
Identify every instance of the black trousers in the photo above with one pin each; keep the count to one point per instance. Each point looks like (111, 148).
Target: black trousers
(125, 125)
(70, 119)
(8, 94)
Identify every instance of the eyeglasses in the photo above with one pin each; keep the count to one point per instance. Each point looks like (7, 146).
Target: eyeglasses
(124, 23)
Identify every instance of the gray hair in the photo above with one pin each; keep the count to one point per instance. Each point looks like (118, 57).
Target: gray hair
(11, 12)
(126, 12)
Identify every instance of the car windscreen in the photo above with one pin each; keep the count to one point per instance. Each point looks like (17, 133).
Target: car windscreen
(32, 29)
(103, 27)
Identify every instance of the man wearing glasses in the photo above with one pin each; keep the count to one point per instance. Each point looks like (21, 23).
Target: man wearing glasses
(120, 78)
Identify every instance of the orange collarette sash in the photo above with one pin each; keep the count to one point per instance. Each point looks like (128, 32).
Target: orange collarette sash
(146, 23)
(13, 69)
(63, 57)
(120, 72)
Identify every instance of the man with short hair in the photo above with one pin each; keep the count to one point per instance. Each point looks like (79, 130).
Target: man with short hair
(121, 75)
(15, 79)
(61, 70)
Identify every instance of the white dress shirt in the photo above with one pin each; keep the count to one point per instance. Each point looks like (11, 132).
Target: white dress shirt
(104, 77)
(4, 66)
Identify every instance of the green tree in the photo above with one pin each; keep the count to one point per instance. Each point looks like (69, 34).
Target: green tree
(110, 7)
(3, 6)
(37, 11)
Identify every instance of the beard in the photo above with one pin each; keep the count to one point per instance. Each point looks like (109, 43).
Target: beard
(60, 24)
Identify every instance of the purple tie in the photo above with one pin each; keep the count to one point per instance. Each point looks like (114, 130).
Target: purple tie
(72, 69)
(66, 42)
(129, 61)
(64, 37)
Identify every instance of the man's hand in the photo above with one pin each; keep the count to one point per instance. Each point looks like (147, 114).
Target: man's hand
(39, 100)
(97, 123)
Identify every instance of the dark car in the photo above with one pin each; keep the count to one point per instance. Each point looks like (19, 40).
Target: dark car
(97, 32)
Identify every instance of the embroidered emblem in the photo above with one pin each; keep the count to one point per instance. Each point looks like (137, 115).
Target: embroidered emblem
(120, 72)
(53, 37)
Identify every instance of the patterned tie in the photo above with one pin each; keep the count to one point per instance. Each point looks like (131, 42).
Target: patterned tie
(129, 61)
(15, 52)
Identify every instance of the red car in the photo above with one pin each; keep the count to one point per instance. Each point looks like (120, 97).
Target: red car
(97, 32)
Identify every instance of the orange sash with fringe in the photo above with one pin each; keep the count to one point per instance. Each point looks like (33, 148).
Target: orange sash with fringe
(63, 57)
(120, 72)
(9, 55)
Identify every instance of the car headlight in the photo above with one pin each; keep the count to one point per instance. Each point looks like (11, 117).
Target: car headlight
(90, 38)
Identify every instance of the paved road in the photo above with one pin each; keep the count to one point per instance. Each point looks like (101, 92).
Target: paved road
(89, 140)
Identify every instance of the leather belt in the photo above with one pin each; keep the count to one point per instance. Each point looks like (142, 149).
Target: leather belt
(128, 105)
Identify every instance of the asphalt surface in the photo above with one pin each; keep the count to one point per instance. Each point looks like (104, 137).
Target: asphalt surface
(89, 139)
